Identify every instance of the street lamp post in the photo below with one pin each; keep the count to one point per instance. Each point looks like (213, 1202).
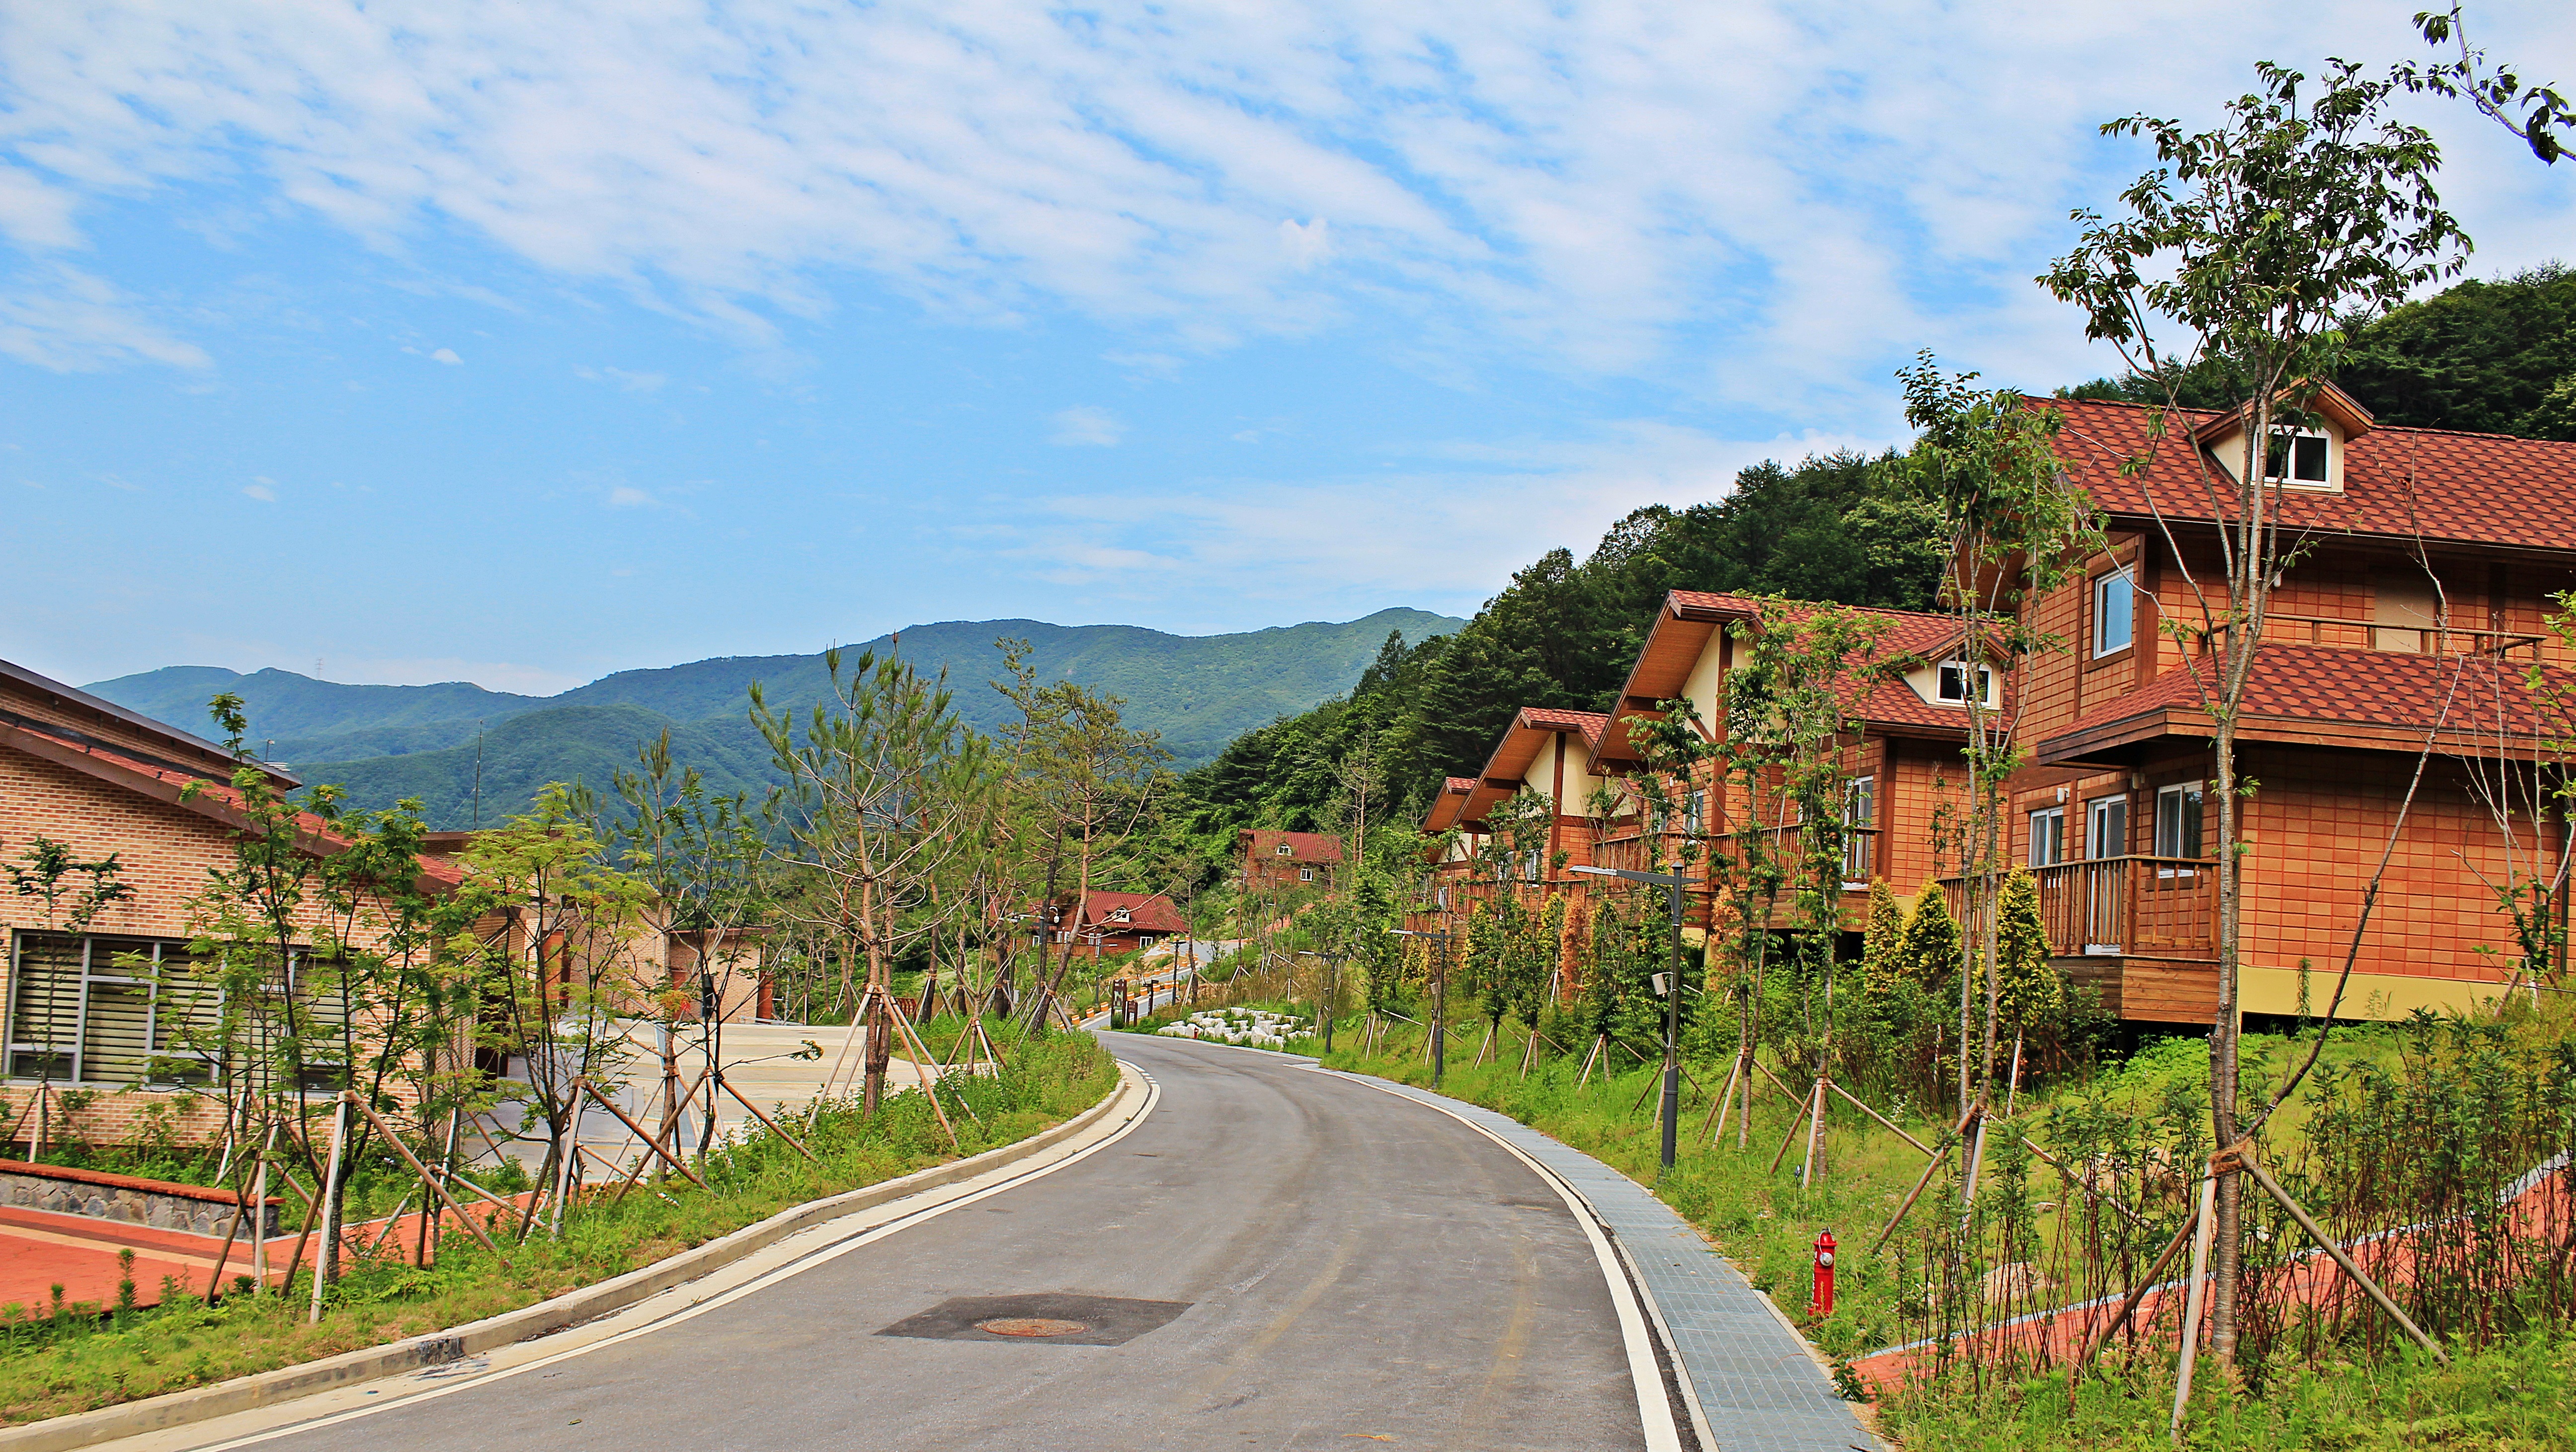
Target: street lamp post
(1439, 997)
(1672, 883)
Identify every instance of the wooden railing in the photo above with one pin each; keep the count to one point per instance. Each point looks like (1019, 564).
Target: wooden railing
(2160, 906)
(2452, 639)
(1655, 852)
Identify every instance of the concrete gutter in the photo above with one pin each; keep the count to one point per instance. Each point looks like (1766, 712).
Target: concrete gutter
(589, 1303)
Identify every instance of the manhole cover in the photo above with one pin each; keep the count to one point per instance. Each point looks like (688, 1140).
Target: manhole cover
(1030, 1326)
(1059, 1318)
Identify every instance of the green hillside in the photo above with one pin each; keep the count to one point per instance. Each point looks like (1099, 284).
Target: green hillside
(390, 742)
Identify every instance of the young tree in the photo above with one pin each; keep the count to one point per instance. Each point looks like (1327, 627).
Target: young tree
(883, 788)
(2247, 244)
(47, 873)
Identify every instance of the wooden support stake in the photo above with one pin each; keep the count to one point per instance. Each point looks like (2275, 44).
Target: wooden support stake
(350, 1097)
(1806, 1109)
(2204, 1229)
(771, 1124)
(1975, 1111)
(1856, 1103)
(2128, 1308)
(582, 1085)
(322, 1258)
(2272, 1187)
(929, 1087)
(1715, 1124)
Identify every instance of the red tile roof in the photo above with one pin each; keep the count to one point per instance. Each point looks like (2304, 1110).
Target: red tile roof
(1904, 635)
(2468, 488)
(2335, 695)
(1587, 722)
(1147, 912)
(1302, 846)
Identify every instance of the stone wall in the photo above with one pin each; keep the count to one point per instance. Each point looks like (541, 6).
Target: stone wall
(161, 1204)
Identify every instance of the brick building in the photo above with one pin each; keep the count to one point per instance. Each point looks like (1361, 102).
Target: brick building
(106, 1007)
(1285, 861)
(2411, 613)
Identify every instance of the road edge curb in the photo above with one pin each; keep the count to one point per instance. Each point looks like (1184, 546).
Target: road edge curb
(434, 1348)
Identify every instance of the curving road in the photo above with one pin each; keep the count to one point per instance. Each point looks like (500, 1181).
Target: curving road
(1319, 1264)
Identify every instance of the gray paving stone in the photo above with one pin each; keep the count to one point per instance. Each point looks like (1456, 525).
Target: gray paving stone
(1758, 1388)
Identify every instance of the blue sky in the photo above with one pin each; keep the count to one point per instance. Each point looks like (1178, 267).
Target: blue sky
(521, 343)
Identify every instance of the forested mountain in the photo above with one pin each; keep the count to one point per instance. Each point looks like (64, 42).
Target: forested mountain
(2486, 357)
(389, 742)
(1842, 526)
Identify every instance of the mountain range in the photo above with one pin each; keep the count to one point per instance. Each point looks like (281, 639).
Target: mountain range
(471, 755)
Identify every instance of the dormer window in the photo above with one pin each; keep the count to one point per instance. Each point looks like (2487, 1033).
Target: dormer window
(2297, 456)
(1118, 916)
(1286, 851)
(1950, 683)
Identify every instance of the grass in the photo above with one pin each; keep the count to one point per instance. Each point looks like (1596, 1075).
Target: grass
(1767, 1223)
(55, 1363)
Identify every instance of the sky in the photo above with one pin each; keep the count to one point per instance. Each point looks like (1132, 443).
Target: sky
(521, 342)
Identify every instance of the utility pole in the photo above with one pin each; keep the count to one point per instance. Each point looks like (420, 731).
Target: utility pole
(1673, 884)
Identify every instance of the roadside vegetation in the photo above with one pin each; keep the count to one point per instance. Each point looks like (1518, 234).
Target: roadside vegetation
(60, 1359)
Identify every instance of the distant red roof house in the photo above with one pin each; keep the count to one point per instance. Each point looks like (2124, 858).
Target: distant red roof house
(1118, 922)
(1288, 859)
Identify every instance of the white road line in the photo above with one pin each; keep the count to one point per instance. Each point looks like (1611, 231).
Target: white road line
(1654, 1408)
(771, 1277)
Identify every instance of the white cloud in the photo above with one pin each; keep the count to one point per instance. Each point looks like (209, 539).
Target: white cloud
(445, 355)
(1492, 506)
(1622, 187)
(263, 489)
(71, 321)
(1087, 425)
(627, 496)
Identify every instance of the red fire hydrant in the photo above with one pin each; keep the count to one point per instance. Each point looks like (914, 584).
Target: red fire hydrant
(1821, 1304)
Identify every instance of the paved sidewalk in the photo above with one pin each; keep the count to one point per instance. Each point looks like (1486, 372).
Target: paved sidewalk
(1757, 1385)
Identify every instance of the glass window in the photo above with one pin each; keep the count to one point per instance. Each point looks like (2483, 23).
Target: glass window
(2048, 837)
(2106, 827)
(2178, 812)
(1953, 682)
(100, 1010)
(2115, 615)
(2297, 456)
(1305, 874)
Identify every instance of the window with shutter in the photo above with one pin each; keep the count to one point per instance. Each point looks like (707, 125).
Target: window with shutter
(104, 1010)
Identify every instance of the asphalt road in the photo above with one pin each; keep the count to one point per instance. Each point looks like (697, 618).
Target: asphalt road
(1334, 1265)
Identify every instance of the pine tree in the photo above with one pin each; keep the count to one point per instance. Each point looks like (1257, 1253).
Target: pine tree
(1882, 953)
(2030, 989)
(1931, 945)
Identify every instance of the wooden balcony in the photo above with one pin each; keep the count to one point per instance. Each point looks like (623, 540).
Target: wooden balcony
(2154, 907)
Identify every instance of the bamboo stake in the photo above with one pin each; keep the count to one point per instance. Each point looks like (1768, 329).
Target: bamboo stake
(583, 1085)
(413, 1160)
(2272, 1187)
(2204, 1230)
(2128, 1307)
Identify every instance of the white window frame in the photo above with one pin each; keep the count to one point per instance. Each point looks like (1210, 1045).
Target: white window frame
(2048, 827)
(2107, 587)
(1941, 677)
(2179, 791)
(2095, 808)
(2291, 438)
(1287, 851)
(1305, 874)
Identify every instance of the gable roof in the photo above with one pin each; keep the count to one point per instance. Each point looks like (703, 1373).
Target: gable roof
(113, 745)
(1147, 912)
(1531, 729)
(1308, 847)
(1690, 624)
(1451, 801)
(2327, 695)
(2398, 483)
